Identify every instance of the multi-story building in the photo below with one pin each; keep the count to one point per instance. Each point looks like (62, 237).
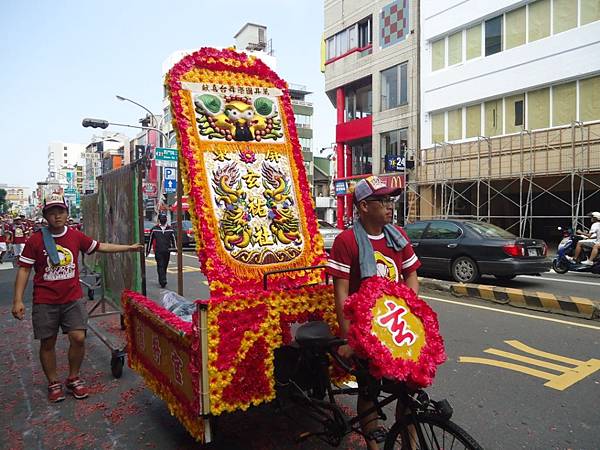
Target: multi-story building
(63, 154)
(102, 154)
(510, 116)
(19, 197)
(371, 67)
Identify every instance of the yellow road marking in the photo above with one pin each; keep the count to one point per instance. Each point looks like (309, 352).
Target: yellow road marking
(514, 313)
(526, 359)
(525, 348)
(566, 377)
(507, 365)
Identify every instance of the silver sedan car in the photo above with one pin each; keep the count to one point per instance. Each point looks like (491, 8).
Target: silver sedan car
(329, 233)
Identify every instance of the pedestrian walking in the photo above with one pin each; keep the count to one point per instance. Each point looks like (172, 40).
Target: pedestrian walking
(3, 242)
(373, 246)
(20, 233)
(53, 253)
(162, 240)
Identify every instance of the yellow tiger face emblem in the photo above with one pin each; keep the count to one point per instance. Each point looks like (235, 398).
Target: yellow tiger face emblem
(386, 267)
(65, 256)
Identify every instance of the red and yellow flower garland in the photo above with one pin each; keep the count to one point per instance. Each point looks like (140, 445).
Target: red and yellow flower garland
(366, 343)
(159, 319)
(243, 334)
(229, 67)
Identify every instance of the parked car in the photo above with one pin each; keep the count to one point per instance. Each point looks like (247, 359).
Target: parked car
(148, 224)
(329, 233)
(465, 250)
(188, 236)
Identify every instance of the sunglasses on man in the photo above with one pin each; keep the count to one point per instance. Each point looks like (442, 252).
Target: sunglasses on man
(384, 201)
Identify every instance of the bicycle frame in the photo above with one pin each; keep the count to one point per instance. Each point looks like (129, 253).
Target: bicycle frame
(335, 423)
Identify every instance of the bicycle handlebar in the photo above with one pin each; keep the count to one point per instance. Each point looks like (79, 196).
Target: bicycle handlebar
(333, 344)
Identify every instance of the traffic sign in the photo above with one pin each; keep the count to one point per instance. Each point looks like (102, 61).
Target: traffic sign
(165, 154)
(165, 157)
(150, 189)
(170, 173)
(170, 186)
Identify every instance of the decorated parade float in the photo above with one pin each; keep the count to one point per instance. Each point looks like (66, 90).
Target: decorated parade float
(261, 252)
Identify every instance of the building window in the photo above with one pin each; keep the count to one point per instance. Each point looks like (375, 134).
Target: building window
(539, 20)
(473, 125)
(474, 42)
(394, 143)
(455, 48)
(589, 99)
(305, 143)
(493, 117)
(362, 162)
(515, 27)
(564, 15)
(303, 121)
(359, 100)
(394, 87)
(515, 107)
(455, 124)
(493, 36)
(564, 103)
(365, 33)
(519, 112)
(358, 35)
(437, 127)
(438, 54)
(538, 109)
(590, 11)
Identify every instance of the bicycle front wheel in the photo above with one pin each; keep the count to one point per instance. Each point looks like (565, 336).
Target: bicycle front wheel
(429, 433)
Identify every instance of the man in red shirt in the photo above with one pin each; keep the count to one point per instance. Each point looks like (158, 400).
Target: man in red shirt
(3, 241)
(20, 233)
(57, 293)
(372, 244)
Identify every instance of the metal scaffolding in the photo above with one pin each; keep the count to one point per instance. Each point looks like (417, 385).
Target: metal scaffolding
(543, 178)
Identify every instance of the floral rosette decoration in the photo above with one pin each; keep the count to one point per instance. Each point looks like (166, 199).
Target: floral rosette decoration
(396, 330)
(243, 172)
(243, 333)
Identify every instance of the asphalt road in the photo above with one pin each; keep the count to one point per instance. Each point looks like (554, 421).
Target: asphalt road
(576, 284)
(502, 406)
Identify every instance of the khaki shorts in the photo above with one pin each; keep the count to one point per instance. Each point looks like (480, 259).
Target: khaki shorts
(47, 318)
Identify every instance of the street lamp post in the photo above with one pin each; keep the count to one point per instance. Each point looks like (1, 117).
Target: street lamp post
(154, 120)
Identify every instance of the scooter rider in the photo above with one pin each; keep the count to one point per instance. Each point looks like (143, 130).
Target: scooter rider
(593, 237)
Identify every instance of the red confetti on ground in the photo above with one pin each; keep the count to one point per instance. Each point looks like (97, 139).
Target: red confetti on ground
(14, 439)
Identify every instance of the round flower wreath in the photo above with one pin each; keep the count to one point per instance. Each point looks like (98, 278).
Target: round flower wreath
(361, 337)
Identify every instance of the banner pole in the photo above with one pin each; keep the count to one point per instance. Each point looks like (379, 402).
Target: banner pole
(179, 232)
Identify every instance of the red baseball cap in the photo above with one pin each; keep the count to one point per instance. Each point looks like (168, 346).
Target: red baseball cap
(54, 200)
(371, 186)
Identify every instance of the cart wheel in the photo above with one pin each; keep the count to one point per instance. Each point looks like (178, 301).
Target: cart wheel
(116, 366)
(122, 322)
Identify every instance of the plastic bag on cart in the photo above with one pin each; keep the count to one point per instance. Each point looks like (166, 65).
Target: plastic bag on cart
(178, 305)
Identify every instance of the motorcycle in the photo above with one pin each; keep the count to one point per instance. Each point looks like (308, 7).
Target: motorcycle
(567, 246)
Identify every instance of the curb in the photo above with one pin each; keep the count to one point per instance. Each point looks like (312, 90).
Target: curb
(539, 301)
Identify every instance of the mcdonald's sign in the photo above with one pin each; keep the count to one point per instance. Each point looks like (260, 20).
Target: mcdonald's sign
(394, 180)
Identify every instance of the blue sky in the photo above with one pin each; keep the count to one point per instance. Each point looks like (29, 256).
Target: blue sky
(65, 60)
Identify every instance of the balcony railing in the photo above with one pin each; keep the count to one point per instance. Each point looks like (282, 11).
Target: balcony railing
(301, 103)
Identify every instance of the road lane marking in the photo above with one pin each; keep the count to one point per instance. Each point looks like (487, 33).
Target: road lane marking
(560, 281)
(566, 377)
(514, 313)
